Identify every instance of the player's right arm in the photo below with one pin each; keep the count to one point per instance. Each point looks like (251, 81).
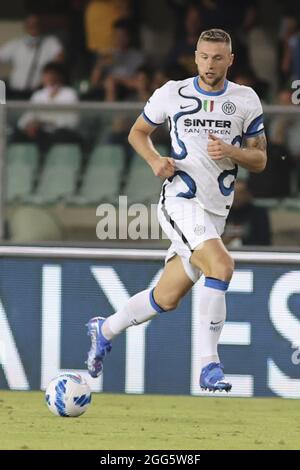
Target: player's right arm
(155, 113)
(139, 138)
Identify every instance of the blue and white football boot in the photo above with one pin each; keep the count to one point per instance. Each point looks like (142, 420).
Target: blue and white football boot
(212, 378)
(100, 346)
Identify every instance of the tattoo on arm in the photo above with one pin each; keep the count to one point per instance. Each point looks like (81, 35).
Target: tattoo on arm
(259, 143)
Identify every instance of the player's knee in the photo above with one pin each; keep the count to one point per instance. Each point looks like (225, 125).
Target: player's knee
(223, 269)
(166, 301)
(170, 304)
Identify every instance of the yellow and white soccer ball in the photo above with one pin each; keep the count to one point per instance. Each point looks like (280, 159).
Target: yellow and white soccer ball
(68, 395)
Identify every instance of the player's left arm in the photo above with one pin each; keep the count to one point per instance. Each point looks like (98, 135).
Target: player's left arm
(253, 157)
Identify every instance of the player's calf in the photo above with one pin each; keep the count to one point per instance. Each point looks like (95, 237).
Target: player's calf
(138, 309)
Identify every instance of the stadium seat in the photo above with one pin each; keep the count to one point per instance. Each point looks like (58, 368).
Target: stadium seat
(23, 153)
(59, 176)
(19, 181)
(142, 185)
(64, 155)
(28, 224)
(21, 166)
(102, 177)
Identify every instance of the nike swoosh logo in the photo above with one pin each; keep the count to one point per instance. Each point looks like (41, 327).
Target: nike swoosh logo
(215, 323)
(183, 107)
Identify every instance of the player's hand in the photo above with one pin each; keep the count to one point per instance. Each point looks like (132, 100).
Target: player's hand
(217, 149)
(164, 167)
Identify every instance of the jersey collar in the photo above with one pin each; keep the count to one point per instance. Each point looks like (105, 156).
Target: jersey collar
(209, 93)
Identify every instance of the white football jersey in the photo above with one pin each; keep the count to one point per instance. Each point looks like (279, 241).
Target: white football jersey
(232, 114)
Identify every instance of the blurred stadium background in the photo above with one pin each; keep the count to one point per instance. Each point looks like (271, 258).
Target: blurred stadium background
(63, 152)
(106, 58)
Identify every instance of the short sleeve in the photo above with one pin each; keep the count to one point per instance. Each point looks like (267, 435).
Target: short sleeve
(155, 112)
(253, 122)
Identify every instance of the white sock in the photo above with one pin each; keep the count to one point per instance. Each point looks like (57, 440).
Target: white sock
(212, 318)
(139, 308)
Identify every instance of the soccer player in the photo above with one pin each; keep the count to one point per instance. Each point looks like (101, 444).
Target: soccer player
(209, 120)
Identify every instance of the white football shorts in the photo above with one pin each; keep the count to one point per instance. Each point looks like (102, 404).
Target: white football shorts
(187, 225)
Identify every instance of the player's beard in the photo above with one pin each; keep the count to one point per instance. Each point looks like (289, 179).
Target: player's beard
(213, 82)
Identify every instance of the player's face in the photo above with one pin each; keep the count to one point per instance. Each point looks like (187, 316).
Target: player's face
(213, 60)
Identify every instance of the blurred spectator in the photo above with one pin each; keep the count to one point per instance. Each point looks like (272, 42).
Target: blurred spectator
(262, 52)
(141, 88)
(287, 29)
(285, 131)
(183, 53)
(246, 77)
(49, 127)
(100, 16)
(27, 57)
(247, 224)
(290, 64)
(163, 75)
(77, 54)
(160, 77)
(115, 76)
(157, 26)
(276, 180)
(228, 14)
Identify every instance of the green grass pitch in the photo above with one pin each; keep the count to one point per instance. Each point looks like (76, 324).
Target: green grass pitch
(151, 422)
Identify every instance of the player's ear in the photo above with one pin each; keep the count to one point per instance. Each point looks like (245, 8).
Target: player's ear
(231, 60)
(196, 56)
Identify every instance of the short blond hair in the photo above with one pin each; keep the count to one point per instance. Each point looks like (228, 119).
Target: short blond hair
(215, 35)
